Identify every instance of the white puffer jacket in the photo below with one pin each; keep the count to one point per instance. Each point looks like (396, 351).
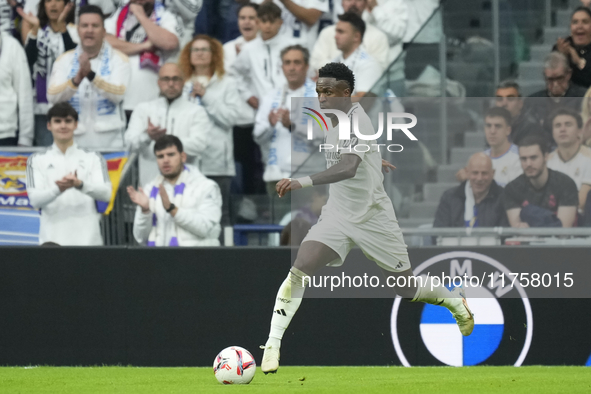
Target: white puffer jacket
(16, 100)
(181, 118)
(222, 104)
(197, 220)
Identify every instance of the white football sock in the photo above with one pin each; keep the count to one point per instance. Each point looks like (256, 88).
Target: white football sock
(438, 295)
(287, 302)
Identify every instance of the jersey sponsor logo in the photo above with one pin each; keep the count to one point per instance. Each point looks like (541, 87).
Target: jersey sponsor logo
(503, 318)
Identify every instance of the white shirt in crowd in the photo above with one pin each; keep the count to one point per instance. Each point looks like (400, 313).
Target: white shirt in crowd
(16, 100)
(366, 69)
(419, 11)
(98, 103)
(197, 221)
(186, 11)
(375, 43)
(299, 31)
(222, 106)
(69, 217)
(578, 168)
(143, 85)
(246, 112)
(394, 27)
(181, 118)
(507, 166)
(355, 199)
(258, 66)
(285, 151)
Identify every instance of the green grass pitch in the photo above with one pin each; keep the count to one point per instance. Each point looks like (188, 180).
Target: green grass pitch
(358, 380)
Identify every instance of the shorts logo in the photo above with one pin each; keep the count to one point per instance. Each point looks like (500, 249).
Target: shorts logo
(503, 319)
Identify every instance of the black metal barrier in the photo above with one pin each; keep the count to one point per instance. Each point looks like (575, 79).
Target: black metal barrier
(175, 307)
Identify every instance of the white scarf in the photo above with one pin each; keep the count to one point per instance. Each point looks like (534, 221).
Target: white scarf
(177, 200)
(470, 217)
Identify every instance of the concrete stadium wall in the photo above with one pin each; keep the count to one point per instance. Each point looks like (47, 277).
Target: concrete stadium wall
(175, 307)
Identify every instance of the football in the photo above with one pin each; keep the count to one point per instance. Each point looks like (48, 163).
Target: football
(234, 365)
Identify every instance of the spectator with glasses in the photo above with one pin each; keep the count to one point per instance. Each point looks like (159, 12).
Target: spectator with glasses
(560, 90)
(207, 86)
(172, 114)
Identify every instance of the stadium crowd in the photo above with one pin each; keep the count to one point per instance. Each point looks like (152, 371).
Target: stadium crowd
(218, 76)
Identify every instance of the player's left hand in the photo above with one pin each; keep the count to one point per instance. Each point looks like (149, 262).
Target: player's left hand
(285, 185)
(387, 166)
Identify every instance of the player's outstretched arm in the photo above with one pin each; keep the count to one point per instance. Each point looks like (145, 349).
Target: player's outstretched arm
(345, 169)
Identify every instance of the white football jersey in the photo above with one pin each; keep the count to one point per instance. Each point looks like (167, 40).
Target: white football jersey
(578, 168)
(359, 198)
(507, 166)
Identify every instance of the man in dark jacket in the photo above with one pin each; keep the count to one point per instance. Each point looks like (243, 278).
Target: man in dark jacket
(475, 202)
(560, 90)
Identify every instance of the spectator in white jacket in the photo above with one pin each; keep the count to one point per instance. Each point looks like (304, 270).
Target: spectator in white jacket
(149, 34)
(375, 41)
(208, 86)
(286, 149)
(93, 78)
(391, 17)
(301, 19)
(16, 97)
(180, 207)
(259, 62)
(247, 24)
(350, 30)
(171, 113)
(247, 154)
(65, 182)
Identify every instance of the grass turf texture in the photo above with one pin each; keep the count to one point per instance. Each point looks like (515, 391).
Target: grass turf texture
(359, 380)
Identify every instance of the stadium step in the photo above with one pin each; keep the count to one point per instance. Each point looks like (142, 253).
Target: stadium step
(461, 155)
(551, 34)
(447, 173)
(432, 192)
(530, 86)
(563, 17)
(423, 210)
(539, 52)
(532, 70)
(475, 139)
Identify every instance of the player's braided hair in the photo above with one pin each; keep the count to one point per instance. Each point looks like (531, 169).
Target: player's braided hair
(338, 71)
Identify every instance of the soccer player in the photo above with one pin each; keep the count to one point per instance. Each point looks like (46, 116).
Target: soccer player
(356, 188)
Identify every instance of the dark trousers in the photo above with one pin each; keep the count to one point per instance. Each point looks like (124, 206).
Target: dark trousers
(10, 141)
(247, 155)
(224, 182)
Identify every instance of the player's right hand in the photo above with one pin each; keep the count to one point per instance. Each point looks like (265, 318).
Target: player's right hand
(285, 185)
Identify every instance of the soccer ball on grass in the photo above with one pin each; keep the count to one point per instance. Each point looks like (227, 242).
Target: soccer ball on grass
(234, 365)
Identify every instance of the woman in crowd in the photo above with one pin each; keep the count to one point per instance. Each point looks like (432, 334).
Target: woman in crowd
(577, 47)
(49, 35)
(202, 63)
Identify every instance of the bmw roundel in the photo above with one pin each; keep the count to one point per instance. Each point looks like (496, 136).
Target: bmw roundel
(502, 315)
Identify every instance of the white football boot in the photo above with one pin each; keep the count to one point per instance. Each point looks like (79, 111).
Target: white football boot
(270, 362)
(464, 317)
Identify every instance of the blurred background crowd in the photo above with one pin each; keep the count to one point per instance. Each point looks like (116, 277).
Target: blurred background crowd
(196, 96)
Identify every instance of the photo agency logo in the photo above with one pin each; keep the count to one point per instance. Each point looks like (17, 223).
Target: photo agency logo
(345, 129)
(502, 315)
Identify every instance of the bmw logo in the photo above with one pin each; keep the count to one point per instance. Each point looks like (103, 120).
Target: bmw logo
(426, 334)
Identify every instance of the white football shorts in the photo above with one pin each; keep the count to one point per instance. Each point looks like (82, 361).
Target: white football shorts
(379, 238)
